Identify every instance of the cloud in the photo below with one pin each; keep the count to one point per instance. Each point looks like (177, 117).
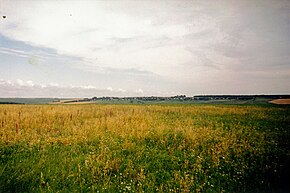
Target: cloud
(109, 88)
(33, 57)
(22, 88)
(28, 83)
(139, 91)
(89, 87)
(14, 52)
(196, 44)
(121, 90)
(117, 37)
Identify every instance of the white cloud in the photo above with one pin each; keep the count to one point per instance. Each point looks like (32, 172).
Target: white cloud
(139, 91)
(52, 84)
(22, 88)
(89, 87)
(121, 90)
(109, 88)
(5, 82)
(43, 85)
(27, 83)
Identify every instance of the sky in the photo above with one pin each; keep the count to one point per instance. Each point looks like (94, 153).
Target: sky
(64, 48)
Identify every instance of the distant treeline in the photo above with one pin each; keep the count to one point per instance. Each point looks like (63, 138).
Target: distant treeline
(149, 98)
(238, 97)
(26, 100)
(197, 97)
(10, 103)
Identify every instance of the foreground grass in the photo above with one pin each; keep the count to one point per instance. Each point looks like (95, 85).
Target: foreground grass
(145, 148)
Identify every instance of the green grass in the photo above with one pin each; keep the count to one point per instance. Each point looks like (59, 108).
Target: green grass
(144, 148)
(27, 100)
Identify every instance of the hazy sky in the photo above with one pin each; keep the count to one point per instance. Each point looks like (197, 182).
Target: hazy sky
(135, 48)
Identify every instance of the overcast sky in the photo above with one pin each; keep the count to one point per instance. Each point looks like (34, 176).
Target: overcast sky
(143, 48)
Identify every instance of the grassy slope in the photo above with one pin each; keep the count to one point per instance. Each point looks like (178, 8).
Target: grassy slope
(27, 100)
(204, 148)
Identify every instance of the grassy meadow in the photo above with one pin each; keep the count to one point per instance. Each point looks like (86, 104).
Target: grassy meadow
(144, 148)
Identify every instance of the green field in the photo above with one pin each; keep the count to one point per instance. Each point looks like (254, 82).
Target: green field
(144, 148)
(27, 100)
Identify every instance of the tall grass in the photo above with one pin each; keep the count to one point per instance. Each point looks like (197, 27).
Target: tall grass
(143, 148)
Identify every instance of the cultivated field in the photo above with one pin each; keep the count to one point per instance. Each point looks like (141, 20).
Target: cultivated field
(144, 148)
(281, 101)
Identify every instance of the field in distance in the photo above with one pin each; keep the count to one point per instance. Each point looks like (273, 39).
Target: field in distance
(281, 101)
(27, 100)
(179, 99)
(144, 148)
(183, 99)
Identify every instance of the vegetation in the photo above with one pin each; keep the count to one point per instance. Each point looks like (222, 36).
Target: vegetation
(144, 148)
(27, 100)
(178, 99)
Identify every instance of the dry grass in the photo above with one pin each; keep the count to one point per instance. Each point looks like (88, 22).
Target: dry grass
(140, 147)
(32, 124)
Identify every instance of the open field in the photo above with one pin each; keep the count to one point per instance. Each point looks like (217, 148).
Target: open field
(144, 148)
(71, 101)
(281, 101)
(27, 100)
